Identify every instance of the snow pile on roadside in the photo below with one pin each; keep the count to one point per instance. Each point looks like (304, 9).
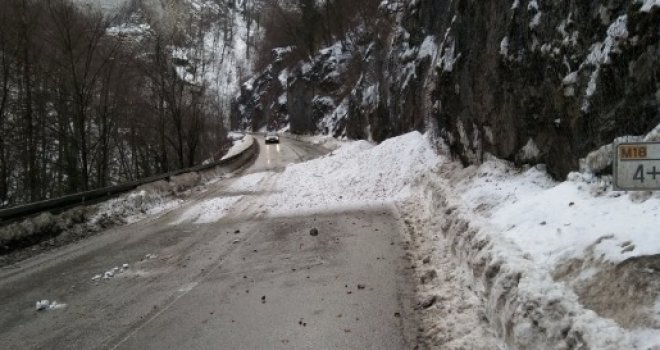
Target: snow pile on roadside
(356, 175)
(134, 206)
(239, 146)
(554, 222)
(541, 250)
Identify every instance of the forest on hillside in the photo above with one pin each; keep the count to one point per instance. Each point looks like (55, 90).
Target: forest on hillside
(89, 99)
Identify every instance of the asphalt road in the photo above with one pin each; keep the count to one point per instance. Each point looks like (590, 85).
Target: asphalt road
(244, 282)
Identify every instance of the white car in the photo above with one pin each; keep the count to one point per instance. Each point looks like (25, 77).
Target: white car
(272, 137)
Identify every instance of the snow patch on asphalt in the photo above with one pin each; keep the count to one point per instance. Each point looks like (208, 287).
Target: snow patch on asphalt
(43, 305)
(188, 287)
(208, 211)
(248, 182)
(111, 273)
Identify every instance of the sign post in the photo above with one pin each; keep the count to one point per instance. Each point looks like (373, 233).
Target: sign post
(637, 166)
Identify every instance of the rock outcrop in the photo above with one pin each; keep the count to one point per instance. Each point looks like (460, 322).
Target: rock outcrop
(526, 80)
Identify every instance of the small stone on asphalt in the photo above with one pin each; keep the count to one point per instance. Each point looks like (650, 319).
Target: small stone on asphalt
(427, 303)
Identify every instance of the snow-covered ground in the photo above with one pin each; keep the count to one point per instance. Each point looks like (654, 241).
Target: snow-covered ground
(561, 241)
(210, 210)
(555, 222)
(532, 252)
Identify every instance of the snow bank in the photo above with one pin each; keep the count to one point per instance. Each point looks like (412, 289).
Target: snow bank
(554, 222)
(519, 232)
(239, 146)
(150, 200)
(356, 175)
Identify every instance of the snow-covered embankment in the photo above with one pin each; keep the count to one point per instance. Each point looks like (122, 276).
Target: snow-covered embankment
(558, 265)
(511, 235)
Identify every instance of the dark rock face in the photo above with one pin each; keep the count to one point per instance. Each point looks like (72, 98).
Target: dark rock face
(260, 102)
(567, 75)
(526, 80)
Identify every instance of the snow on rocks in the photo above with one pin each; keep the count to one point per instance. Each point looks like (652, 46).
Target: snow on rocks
(647, 5)
(600, 55)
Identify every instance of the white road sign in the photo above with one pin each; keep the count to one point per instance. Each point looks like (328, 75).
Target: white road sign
(637, 166)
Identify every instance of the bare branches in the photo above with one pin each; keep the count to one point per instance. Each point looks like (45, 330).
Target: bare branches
(81, 107)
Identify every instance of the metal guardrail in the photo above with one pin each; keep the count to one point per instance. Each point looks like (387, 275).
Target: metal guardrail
(60, 204)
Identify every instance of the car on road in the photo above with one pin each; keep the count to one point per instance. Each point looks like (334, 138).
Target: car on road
(272, 137)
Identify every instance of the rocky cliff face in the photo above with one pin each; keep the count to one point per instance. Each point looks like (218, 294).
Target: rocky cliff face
(526, 80)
